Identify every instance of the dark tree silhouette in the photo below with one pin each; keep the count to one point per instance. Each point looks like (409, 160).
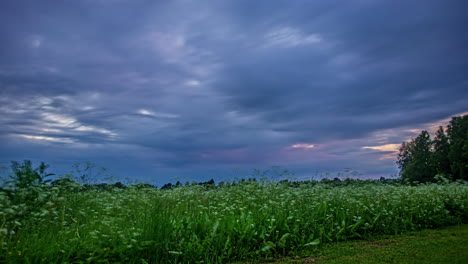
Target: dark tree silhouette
(422, 158)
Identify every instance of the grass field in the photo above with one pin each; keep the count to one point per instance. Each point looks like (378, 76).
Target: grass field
(430, 246)
(208, 224)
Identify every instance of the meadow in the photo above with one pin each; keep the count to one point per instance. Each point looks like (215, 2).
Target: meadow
(67, 223)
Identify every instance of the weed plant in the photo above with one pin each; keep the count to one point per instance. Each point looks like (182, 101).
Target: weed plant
(200, 224)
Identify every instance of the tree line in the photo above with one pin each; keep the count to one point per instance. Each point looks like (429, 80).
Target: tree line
(443, 158)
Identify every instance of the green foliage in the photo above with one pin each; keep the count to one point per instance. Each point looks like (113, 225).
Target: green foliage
(26, 184)
(446, 155)
(24, 175)
(457, 132)
(26, 194)
(440, 157)
(416, 159)
(448, 245)
(200, 224)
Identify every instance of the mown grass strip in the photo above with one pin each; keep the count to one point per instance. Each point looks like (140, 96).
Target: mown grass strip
(447, 245)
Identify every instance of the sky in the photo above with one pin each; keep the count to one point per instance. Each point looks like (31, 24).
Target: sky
(192, 90)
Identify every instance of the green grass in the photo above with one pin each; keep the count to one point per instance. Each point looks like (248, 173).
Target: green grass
(447, 245)
(202, 224)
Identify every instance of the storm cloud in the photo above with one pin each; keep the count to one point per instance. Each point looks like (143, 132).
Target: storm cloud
(161, 89)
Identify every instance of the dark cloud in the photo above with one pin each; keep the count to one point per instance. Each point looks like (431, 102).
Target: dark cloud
(375, 61)
(197, 88)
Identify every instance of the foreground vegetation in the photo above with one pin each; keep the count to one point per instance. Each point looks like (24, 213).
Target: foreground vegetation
(67, 223)
(434, 246)
(440, 246)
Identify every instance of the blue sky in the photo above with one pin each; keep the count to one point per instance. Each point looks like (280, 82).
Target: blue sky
(194, 90)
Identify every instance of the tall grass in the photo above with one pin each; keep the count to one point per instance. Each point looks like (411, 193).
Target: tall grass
(213, 225)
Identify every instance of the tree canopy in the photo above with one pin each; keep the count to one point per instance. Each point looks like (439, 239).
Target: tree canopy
(422, 158)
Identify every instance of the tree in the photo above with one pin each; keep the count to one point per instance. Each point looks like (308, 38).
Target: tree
(414, 159)
(457, 132)
(440, 156)
(405, 156)
(447, 155)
